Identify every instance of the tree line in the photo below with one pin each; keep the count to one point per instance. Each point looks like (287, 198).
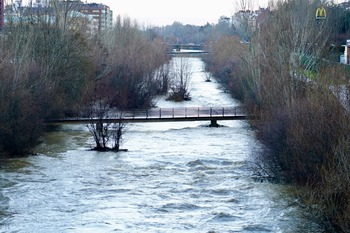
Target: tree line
(50, 68)
(289, 76)
(178, 33)
(52, 65)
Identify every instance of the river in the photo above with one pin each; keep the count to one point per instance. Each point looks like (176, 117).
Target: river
(175, 177)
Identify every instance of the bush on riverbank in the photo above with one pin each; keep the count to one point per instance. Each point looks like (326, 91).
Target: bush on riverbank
(132, 59)
(225, 61)
(43, 74)
(20, 125)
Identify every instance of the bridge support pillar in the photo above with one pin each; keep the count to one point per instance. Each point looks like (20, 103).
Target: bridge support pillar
(213, 123)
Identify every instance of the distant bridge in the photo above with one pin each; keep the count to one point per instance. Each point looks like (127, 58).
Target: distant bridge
(175, 49)
(179, 47)
(212, 114)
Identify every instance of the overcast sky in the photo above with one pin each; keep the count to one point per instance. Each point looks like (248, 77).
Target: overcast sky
(165, 12)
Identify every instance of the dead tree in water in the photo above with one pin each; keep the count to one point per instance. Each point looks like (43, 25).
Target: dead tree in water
(107, 135)
(117, 132)
(180, 78)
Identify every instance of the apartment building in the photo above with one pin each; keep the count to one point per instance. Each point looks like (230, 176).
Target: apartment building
(93, 17)
(100, 12)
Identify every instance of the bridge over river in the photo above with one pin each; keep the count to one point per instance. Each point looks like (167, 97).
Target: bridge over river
(212, 114)
(187, 49)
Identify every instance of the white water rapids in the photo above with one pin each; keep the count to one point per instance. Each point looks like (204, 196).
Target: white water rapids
(176, 177)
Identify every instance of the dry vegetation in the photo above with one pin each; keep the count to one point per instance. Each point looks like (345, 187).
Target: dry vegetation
(52, 68)
(302, 122)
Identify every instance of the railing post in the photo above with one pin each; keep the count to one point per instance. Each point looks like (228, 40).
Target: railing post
(160, 113)
(223, 112)
(173, 112)
(146, 113)
(211, 111)
(185, 112)
(198, 112)
(235, 111)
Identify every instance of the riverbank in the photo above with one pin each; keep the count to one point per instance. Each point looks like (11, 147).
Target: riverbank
(304, 129)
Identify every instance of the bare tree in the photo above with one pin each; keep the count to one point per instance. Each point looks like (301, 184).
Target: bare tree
(43, 74)
(181, 73)
(281, 64)
(243, 19)
(133, 59)
(107, 135)
(126, 62)
(118, 130)
(303, 124)
(162, 79)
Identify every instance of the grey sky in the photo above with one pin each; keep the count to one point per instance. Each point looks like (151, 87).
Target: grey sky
(164, 12)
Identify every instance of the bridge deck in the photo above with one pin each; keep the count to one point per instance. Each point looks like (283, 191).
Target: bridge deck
(163, 115)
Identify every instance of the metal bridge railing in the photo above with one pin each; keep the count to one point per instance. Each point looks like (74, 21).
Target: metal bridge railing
(167, 114)
(183, 112)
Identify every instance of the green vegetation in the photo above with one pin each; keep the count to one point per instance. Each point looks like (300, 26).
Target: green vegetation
(301, 103)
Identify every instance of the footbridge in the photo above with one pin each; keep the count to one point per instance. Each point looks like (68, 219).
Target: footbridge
(186, 49)
(212, 114)
(179, 47)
